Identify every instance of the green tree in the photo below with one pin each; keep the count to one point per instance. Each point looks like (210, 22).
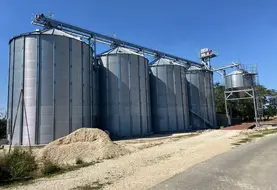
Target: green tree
(219, 97)
(3, 125)
(270, 111)
(244, 108)
(268, 97)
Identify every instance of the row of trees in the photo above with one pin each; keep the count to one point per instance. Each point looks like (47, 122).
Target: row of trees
(244, 108)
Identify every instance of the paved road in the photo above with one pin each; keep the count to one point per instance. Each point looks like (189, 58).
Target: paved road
(251, 166)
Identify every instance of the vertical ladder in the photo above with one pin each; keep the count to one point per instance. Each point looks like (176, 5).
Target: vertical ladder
(259, 98)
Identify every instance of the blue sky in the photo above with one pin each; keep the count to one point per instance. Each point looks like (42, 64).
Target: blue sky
(239, 30)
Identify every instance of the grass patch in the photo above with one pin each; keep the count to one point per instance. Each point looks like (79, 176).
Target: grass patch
(94, 186)
(242, 141)
(17, 183)
(84, 164)
(269, 131)
(185, 136)
(50, 168)
(21, 163)
(150, 145)
(259, 135)
(17, 166)
(251, 137)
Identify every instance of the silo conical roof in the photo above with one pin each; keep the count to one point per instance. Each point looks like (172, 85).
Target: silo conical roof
(237, 72)
(121, 50)
(193, 68)
(57, 32)
(164, 61)
(52, 31)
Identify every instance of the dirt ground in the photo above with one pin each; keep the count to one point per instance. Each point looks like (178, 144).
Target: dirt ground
(151, 161)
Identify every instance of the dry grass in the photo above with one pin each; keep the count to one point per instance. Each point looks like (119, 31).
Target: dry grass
(178, 137)
(257, 134)
(149, 145)
(93, 186)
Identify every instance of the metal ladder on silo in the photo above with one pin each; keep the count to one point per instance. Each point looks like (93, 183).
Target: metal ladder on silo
(259, 105)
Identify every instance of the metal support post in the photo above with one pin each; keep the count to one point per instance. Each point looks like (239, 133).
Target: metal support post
(255, 107)
(226, 110)
(223, 78)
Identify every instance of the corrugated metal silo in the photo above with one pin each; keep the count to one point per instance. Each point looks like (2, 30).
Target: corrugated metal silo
(54, 71)
(201, 98)
(124, 93)
(169, 102)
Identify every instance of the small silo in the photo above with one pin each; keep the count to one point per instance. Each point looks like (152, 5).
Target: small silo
(124, 93)
(239, 79)
(201, 98)
(54, 70)
(169, 101)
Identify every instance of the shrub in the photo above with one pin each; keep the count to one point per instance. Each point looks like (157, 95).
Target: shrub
(5, 173)
(21, 163)
(50, 168)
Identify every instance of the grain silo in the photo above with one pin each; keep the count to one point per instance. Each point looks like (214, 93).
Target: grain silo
(53, 69)
(239, 79)
(169, 101)
(124, 93)
(201, 98)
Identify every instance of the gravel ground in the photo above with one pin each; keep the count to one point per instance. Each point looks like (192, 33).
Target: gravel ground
(87, 144)
(152, 161)
(249, 167)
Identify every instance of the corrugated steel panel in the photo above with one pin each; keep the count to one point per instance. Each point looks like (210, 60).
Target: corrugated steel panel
(17, 86)
(124, 93)
(54, 72)
(10, 90)
(194, 100)
(29, 90)
(169, 101)
(201, 98)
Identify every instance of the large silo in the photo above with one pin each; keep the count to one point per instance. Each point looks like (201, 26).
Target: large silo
(169, 101)
(124, 93)
(54, 70)
(201, 98)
